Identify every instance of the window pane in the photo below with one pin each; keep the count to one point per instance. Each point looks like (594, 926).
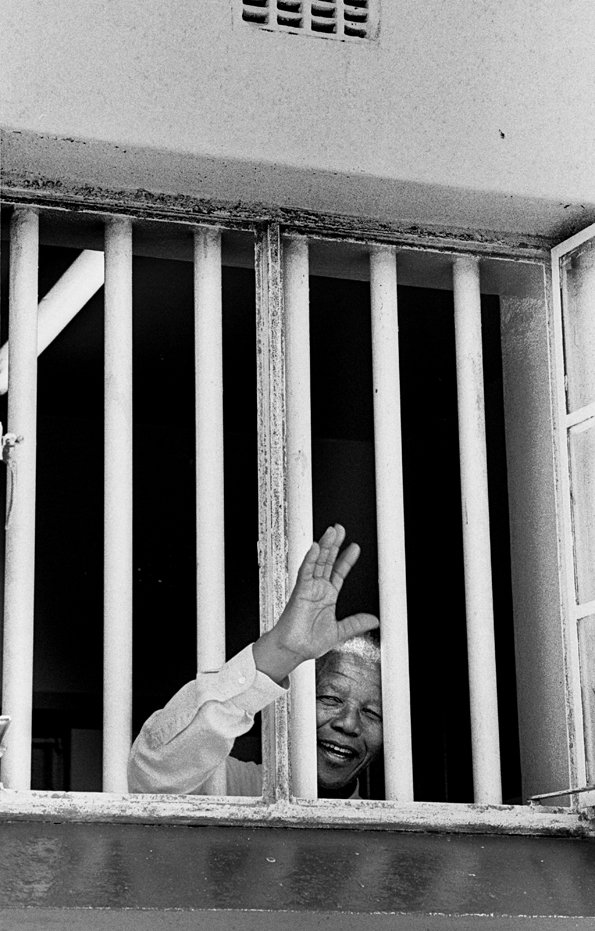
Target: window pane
(577, 276)
(582, 465)
(586, 632)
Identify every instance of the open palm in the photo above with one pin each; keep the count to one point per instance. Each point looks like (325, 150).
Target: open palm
(308, 626)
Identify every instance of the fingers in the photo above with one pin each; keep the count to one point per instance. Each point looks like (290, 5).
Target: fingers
(356, 624)
(325, 543)
(334, 550)
(306, 570)
(325, 558)
(344, 565)
(330, 544)
(322, 561)
(320, 558)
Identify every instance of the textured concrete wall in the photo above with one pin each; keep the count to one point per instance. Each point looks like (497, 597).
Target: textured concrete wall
(100, 876)
(483, 95)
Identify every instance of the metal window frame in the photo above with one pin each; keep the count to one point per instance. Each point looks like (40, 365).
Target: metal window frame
(572, 610)
(276, 805)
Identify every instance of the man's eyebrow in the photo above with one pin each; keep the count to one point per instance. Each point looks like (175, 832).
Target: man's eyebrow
(342, 674)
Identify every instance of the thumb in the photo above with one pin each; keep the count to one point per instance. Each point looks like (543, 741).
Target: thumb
(356, 624)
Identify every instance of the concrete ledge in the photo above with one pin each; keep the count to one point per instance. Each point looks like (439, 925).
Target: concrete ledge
(59, 875)
(81, 919)
(36, 161)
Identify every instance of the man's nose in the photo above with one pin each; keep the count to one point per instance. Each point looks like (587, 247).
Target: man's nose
(348, 720)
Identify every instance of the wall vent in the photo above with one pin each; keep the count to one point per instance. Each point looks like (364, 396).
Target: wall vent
(331, 19)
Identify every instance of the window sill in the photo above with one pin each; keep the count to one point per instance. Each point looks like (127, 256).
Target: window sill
(374, 815)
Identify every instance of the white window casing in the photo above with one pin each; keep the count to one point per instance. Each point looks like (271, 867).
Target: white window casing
(283, 264)
(573, 287)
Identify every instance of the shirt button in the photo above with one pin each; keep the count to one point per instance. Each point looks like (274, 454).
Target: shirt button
(242, 679)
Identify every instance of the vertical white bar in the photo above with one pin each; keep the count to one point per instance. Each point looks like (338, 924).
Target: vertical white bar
(299, 497)
(17, 672)
(476, 533)
(117, 648)
(272, 488)
(210, 533)
(391, 526)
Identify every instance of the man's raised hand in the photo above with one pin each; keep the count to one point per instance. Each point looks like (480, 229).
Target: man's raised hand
(308, 627)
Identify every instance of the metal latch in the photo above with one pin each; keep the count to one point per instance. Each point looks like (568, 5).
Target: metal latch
(8, 441)
(539, 798)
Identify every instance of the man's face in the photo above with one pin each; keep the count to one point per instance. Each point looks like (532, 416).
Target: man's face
(348, 717)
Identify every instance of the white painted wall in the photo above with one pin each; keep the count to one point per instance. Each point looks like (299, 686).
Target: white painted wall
(494, 95)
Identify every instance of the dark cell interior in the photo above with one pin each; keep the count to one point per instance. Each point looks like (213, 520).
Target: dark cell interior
(68, 639)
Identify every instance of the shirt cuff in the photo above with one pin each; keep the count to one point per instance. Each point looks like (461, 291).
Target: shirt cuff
(241, 682)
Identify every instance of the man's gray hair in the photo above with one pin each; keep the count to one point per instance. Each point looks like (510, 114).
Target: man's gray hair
(364, 647)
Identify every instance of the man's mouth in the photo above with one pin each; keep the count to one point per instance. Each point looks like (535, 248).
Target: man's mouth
(338, 751)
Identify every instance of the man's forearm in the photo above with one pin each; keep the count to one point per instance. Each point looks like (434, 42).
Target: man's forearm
(179, 746)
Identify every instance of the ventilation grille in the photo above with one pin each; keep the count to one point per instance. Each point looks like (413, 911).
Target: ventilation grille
(333, 19)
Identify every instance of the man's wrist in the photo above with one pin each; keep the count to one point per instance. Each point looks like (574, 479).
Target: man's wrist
(274, 659)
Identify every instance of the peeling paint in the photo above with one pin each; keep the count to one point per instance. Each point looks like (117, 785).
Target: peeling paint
(54, 193)
(354, 813)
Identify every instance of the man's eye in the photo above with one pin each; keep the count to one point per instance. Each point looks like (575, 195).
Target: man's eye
(328, 699)
(373, 714)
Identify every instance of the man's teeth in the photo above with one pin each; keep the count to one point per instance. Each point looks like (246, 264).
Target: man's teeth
(345, 752)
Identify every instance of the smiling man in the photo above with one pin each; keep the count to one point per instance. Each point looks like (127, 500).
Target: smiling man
(348, 715)
(180, 747)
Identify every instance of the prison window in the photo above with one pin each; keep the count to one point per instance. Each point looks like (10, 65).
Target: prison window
(208, 398)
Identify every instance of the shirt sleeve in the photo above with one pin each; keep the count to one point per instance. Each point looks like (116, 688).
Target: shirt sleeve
(181, 745)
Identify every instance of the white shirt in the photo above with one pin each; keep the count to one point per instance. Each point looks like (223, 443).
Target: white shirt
(181, 746)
